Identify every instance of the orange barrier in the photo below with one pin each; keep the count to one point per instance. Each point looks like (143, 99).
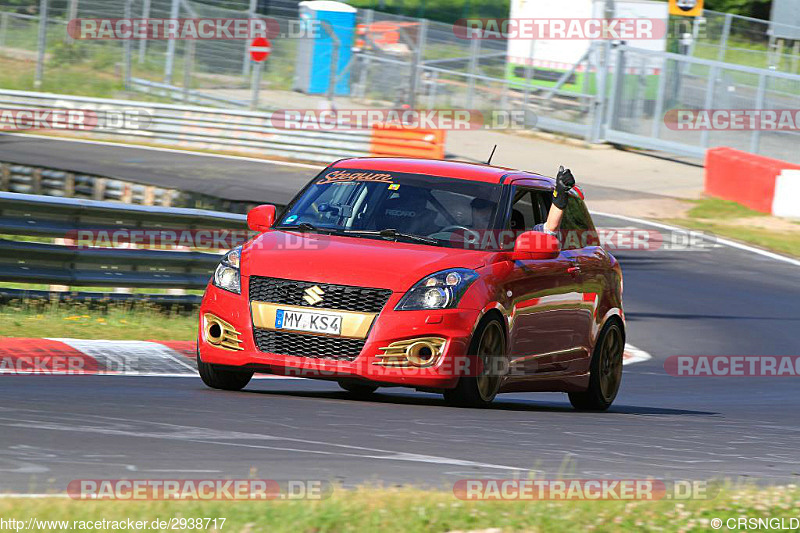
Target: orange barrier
(403, 142)
(743, 177)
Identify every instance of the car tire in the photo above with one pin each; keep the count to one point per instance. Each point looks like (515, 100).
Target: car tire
(218, 377)
(488, 343)
(605, 374)
(358, 389)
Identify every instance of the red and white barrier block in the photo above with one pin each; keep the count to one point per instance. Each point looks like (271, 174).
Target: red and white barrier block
(786, 200)
(761, 183)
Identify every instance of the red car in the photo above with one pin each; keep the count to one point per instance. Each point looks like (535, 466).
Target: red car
(424, 274)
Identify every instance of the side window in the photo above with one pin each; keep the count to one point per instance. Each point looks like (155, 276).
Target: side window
(524, 210)
(576, 226)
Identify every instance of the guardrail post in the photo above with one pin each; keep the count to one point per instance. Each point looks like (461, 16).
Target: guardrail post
(5, 178)
(36, 181)
(126, 196)
(69, 185)
(99, 192)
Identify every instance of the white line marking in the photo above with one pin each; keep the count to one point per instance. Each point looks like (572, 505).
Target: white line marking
(635, 355)
(211, 436)
(172, 150)
(719, 240)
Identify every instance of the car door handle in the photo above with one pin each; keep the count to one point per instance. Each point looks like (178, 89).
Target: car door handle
(574, 269)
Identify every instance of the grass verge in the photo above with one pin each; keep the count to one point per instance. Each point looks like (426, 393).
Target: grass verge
(735, 221)
(413, 510)
(112, 321)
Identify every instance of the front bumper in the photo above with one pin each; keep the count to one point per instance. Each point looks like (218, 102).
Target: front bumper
(454, 325)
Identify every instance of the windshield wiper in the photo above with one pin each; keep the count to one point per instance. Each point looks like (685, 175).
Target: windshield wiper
(305, 226)
(391, 233)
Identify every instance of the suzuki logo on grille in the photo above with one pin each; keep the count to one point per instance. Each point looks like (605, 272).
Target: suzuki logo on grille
(313, 295)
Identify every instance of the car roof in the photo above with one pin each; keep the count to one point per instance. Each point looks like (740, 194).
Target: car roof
(435, 167)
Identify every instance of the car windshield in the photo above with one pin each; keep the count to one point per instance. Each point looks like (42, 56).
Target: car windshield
(390, 205)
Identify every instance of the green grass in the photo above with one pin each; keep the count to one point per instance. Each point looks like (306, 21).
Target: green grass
(778, 241)
(721, 209)
(724, 219)
(412, 510)
(112, 321)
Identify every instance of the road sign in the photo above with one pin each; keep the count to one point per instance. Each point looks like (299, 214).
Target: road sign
(260, 49)
(686, 8)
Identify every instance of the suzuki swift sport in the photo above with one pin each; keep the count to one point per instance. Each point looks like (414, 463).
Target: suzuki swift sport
(418, 273)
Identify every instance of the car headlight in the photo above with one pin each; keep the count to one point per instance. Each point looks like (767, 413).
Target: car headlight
(441, 290)
(226, 276)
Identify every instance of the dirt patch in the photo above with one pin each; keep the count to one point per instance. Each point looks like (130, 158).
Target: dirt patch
(766, 223)
(643, 208)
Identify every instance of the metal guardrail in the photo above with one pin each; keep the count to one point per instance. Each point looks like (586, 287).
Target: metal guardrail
(53, 182)
(205, 127)
(44, 262)
(29, 179)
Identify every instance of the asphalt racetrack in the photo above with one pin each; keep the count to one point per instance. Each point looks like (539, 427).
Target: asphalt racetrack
(715, 301)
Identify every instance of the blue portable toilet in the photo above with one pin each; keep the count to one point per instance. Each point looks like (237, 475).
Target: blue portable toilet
(313, 68)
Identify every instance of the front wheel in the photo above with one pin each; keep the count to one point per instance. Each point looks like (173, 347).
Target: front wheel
(217, 377)
(489, 345)
(605, 371)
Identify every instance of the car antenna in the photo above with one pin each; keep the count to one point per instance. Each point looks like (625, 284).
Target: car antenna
(489, 161)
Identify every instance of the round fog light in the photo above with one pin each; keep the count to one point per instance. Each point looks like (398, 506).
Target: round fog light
(420, 353)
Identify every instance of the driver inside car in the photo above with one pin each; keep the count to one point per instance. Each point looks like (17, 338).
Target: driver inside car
(564, 183)
(482, 209)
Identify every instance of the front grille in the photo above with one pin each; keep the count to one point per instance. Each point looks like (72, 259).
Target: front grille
(314, 346)
(343, 297)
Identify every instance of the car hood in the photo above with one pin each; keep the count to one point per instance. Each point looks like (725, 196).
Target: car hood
(364, 262)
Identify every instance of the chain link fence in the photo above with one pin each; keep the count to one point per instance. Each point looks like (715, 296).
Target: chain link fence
(732, 62)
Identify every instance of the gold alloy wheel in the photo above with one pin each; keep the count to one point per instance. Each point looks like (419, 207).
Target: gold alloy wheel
(611, 363)
(490, 347)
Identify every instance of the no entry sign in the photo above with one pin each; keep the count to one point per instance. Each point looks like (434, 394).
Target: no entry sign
(260, 49)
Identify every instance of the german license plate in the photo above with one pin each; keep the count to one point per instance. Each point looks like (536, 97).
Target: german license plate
(326, 323)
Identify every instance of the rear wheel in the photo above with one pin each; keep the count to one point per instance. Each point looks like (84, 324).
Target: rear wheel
(218, 377)
(358, 389)
(489, 345)
(605, 371)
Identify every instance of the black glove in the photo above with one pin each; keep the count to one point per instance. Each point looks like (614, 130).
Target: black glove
(564, 182)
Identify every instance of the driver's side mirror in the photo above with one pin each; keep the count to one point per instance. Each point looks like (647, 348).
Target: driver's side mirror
(261, 218)
(536, 245)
